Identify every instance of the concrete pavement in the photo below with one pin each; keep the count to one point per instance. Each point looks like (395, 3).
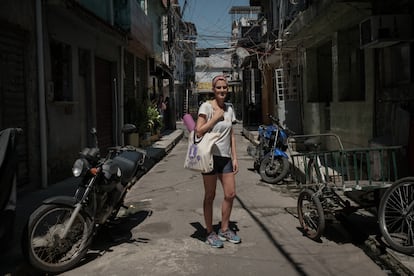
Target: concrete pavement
(374, 244)
(164, 235)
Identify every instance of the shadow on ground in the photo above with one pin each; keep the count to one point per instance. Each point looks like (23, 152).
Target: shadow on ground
(107, 236)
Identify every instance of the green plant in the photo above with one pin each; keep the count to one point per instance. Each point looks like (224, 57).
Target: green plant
(154, 119)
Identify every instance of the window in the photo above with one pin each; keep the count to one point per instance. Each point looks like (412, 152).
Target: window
(61, 62)
(144, 6)
(291, 93)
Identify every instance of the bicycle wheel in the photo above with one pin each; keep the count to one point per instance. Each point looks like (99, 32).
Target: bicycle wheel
(396, 215)
(310, 214)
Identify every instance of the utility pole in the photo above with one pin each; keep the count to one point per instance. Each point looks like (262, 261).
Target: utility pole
(172, 112)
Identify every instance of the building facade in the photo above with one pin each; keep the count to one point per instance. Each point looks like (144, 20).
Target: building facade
(70, 65)
(344, 67)
(211, 62)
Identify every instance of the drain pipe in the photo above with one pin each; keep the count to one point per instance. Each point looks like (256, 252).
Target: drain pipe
(121, 94)
(42, 94)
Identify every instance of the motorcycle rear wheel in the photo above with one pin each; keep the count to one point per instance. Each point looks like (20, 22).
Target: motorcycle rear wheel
(46, 250)
(275, 171)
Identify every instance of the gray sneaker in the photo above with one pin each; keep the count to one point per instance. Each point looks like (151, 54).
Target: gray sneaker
(214, 241)
(229, 235)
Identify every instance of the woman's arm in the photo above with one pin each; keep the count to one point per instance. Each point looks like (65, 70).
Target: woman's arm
(203, 125)
(233, 152)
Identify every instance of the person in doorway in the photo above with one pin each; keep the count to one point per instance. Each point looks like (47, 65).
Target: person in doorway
(167, 123)
(218, 116)
(161, 105)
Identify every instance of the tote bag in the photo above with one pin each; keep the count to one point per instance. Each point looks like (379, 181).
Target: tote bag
(199, 157)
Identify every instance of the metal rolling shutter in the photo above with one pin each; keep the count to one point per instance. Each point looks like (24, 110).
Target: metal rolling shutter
(13, 92)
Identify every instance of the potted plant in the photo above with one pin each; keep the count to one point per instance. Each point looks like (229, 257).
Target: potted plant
(154, 120)
(133, 113)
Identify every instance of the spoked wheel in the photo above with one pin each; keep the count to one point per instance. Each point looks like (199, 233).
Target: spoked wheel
(396, 215)
(310, 214)
(273, 171)
(46, 249)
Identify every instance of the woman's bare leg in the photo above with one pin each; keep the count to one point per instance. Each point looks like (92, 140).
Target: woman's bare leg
(210, 182)
(229, 189)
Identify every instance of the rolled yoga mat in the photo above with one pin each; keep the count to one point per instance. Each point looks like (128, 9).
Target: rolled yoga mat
(189, 122)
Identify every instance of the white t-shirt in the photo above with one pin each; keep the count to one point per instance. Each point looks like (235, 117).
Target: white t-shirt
(223, 145)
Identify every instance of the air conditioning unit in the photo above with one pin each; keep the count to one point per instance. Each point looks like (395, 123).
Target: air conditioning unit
(384, 30)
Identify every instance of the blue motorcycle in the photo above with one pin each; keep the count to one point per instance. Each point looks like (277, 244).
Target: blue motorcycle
(271, 160)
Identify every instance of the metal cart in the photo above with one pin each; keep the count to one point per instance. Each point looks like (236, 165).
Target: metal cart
(344, 180)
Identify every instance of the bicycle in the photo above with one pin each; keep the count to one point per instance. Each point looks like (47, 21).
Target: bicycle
(313, 201)
(396, 215)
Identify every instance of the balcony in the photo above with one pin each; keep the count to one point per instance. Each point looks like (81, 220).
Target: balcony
(131, 18)
(317, 22)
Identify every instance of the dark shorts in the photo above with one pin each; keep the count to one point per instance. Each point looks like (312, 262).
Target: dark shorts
(221, 165)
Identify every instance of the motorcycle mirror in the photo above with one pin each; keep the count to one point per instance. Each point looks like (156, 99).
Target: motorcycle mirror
(93, 132)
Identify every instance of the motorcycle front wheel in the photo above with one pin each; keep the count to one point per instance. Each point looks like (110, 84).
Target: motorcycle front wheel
(46, 249)
(274, 171)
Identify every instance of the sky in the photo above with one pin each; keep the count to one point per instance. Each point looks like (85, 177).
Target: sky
(212, 20)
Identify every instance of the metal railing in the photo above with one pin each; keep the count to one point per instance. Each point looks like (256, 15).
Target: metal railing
(352, 168)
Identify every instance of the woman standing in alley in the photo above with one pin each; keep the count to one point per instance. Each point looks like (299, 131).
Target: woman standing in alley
(218, 116)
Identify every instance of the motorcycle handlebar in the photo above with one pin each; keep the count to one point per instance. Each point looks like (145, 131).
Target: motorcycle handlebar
(277, 122)
(127, 147)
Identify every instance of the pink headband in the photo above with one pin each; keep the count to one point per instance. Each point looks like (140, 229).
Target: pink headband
(217, 78)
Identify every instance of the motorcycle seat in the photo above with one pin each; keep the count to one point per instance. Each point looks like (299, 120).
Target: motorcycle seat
(313, 143)
(128, 162)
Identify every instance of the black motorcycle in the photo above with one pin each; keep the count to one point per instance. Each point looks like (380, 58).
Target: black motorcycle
(8, 168)
(59, 232)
